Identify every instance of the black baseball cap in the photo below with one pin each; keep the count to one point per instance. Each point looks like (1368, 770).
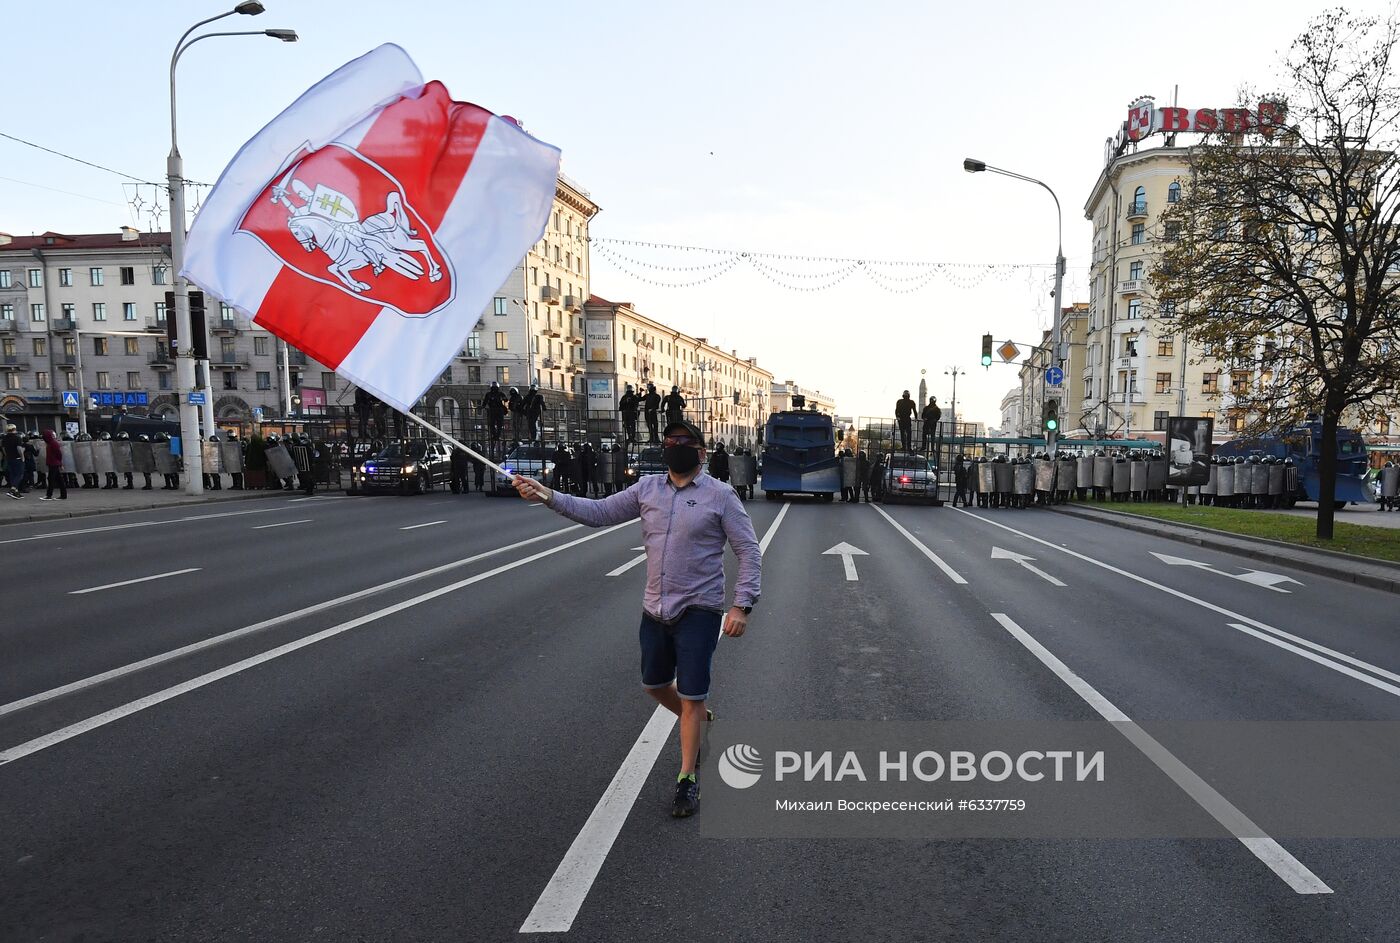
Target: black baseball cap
(689, 429)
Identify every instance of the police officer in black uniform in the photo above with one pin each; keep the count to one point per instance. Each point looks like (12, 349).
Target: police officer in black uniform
(628, 406)
(534, 405)
(650, 404)
(674, 405)
(125, 437)
(516, 404)
(904, 417)
(459, 465)
(494, 403)
(478, 468)
(931, 415)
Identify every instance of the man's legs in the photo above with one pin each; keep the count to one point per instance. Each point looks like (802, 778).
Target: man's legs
(692, 723)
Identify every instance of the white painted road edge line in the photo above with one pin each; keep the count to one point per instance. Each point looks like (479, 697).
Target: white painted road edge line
(98, 530)
(282, 524)
(1266, 849)
(626, 566)
(427, 524)
(92, 680)
(1254, 623)
(951, 573)
(1326, 662)
(139, 579)
(559, 902)
(53, 738)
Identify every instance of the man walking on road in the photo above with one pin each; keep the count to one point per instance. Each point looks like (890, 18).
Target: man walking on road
(687, 517)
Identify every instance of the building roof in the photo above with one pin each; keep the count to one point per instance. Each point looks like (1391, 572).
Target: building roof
(600, 300)
(99, 240)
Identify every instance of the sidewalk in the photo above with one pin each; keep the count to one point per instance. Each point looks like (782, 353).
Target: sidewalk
(83, 503)
(1376, 574)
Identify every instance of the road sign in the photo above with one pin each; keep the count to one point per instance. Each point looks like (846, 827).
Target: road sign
(1054, 376)
(1008, 352)
(70, 399)
(196, 398)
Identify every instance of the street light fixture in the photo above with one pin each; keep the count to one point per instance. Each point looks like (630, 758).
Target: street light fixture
(175, 178)
(974, 166)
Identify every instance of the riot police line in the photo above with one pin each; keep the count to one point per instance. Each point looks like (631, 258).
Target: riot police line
(107, 462)
(1261, 482)
(1388, 479)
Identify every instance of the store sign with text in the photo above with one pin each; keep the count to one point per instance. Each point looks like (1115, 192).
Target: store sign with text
(1145, 119)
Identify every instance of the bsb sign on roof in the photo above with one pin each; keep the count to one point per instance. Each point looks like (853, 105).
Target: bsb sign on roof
(1145, 119)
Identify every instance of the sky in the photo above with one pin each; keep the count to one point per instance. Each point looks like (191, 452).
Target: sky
(808, 129)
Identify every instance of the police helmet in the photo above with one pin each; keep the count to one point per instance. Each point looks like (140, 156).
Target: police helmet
(144, 438)
(162, 437)
(123, 436)
(675, 389)
(104, 436)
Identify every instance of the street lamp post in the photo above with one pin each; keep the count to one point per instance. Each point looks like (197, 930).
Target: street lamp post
(973, 166)
(954, 372)
(175, 178)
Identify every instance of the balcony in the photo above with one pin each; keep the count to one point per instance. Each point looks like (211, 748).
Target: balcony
(228, 362)
(14, 362)
(161, 362)
(549, 363)
(551, 331)
(65, 360)
(576, 341)
(549, 294)
(156, 325)
(1125, 363)
(8, 326)
(222, 328)
(574, 303)
(1135, 398)
(1137, 210)
(469, 354)
(63, 325)
(1133, 286)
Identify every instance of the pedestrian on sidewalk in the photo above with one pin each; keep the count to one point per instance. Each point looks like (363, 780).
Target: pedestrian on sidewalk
(688, 516)
(12, 450)
(53, 465)
(31, 464)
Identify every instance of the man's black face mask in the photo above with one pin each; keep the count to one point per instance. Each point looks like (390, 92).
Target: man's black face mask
(681, 458)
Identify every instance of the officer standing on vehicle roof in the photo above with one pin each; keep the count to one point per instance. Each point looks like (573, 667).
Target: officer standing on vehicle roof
(534, 405)
(628, 406)
(650, 404)
(904, 416)
(931, 415)
(674, 405)
(687, 518)
(494, 403)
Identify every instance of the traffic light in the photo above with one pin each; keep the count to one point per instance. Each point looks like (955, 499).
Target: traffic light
(986, 350)
(1050, 415)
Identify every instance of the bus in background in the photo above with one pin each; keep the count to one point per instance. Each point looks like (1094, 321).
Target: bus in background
(799, 454)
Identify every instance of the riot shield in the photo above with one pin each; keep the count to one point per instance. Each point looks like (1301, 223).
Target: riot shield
(1225, 480)
(743, 470)
(1084, 472)
(1276, 480)
(1156, 474)
(1044, 471)
(1210, 485)
(1065, 472)
(232, 455)
(607, 469)
(102, 457)
(213, 460)
(1290, 480)
(848, 472)
(1390, 482)
(1120, 477)
(1259, 480)
(279, 462)
(82, 457)
(1004, 477)
(301, 458)
(1103, 471)
(166, 462)
(121, 458)
(987, 478)
(1137, 477)
(1244, 478)
(1026, 477)
(68, 464)
(143, 460)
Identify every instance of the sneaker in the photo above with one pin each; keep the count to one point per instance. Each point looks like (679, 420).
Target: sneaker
(46, 499)
(14, 494)
(687, 801)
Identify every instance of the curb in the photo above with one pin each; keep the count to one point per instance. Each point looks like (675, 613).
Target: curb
(1298, 558)
(149, 506)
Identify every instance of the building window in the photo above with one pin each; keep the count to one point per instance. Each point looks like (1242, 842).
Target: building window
(133, 379)
(503, 375)
(260, 346)
(225, 314)
(36, 278)
(499, 307)
(70, 379)
(230, 380)
(1210, 382)
(127, 274)
(65, 278)
(1164, 382)
(1174, 192)
(160, 312)
(1239, 382)
(1159, 420)
(41, 346)
(474, 344)
(1139, 234)
(133, 346)
(5, 278)
(7, 312)
(95, 277)
(158, 275)
(163, 380)
(502, 341)
(227, 352)
(1164, 346)
(446, 376)
(104, 381)
(41, 380)
(99, 311)
(1171, 232)
(36, 313)
(99, 346)
(264, 380)
(1089, 389)
(11, 380)
(1166, 309)
(1135, 271)
(327, 380)
(1139, 204)
(128, 311)
(1134, 309)
(473, 374)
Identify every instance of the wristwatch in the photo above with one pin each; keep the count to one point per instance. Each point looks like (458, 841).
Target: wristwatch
(745, 609)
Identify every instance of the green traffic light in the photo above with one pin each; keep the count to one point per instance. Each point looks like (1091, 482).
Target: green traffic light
(1052, 424)
(986, 361)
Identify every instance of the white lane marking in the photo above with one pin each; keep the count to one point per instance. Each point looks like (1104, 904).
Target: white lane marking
(321, 497)
(151, 662)
(1266, 849)
(1023, 560)
(1327, 662)
(626, 566)
(99, 530)
(1257, 577)
(30, 747)
(282, 524)
(427, 524)
(139, 579)
(847, 553)
(1204, 604)
(951, 573)
(559, 902)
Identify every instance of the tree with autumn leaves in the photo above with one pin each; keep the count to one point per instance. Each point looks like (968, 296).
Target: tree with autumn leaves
(1282, 257)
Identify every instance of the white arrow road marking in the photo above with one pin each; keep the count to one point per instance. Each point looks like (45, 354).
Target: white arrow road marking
(1293, 872)
(1023, 560)
(629, 564)
(1257, 577)
(139, 579)
(559, 902)
(848, 555)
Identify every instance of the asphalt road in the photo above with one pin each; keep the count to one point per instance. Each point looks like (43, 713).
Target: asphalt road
(267, 742)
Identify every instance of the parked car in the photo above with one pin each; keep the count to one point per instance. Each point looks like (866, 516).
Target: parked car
(910, 476)
(532, 461)
(648, 461)
(410, 467)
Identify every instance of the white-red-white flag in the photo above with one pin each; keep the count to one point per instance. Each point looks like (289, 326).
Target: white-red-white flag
(370, 223)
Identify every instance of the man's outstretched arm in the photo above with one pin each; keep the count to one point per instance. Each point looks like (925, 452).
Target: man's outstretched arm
(613, 509)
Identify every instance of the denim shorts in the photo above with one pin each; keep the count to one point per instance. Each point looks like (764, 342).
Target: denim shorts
(680, 652)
